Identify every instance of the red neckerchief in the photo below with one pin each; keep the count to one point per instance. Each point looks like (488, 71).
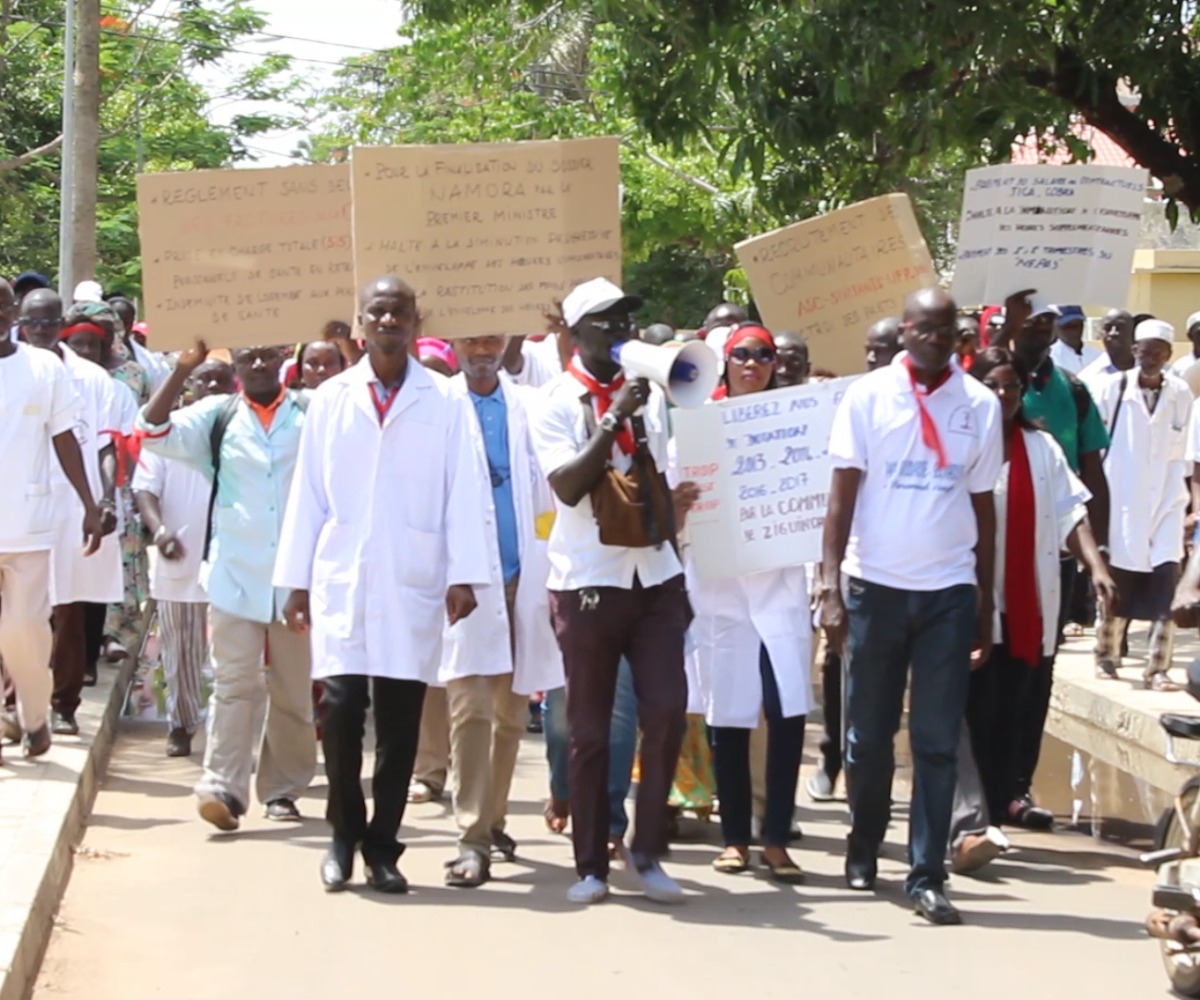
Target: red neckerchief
(929, 431)
(602, 397)
(382, 406)
(1022, 608)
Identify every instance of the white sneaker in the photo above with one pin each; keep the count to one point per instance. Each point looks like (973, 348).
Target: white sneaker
(587, 890)
(658, 885)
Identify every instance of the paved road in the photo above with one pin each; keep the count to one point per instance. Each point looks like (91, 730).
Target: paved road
(158, 908)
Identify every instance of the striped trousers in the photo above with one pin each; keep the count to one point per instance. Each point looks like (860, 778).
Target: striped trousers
(183, 638)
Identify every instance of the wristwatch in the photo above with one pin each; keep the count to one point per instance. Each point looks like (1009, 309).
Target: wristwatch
(609, 422)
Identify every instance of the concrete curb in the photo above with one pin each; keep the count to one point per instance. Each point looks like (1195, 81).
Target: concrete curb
(1116, 722)
(44, 806)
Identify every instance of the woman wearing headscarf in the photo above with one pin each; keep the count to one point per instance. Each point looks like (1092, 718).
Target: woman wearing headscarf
(753, 647)
(95, 332)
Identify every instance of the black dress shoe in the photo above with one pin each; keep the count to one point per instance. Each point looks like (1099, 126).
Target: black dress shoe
(384, 876)
(861, 867)
(933, 905)
(337, 867)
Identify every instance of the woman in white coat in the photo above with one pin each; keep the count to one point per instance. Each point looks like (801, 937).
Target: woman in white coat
(381, 543)
(1148, 412)
(1040, 510)
(753, 641)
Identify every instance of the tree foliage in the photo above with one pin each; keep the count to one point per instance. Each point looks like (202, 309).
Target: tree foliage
(838, 99)
(153, 116)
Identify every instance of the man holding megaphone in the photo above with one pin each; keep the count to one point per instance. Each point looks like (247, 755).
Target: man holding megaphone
(616, 582)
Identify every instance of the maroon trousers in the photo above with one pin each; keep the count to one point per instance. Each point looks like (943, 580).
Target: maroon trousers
(595, 628)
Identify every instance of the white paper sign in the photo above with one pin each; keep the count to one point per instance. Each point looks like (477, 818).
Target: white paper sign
(762, 465)
(1067, 231)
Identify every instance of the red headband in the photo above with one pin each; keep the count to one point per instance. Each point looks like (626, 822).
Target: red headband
(83, 326)
(748, 331)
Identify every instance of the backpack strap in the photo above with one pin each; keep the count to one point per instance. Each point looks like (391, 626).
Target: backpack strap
(1112, 427)
(224, 416)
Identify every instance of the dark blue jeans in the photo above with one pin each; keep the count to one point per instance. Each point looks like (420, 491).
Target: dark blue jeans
(731, 761)
(890, 630)
(621, 752)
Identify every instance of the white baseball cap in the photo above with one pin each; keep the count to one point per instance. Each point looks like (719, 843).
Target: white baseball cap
(595, 296)
(89, 291)
(1042, 306)
(1154, 329)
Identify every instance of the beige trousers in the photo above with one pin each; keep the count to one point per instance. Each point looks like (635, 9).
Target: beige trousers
(287, 755)
(25, 637)
(433, 746)
(486, 722)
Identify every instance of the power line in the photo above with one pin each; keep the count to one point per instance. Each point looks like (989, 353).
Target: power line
(266, 35)
(223, 49)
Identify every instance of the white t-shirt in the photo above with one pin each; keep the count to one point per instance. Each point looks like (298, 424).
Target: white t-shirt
(541, 362)
(38, 403)
(914, 527)
(1065, 357)
(577, 557)
(183, 493)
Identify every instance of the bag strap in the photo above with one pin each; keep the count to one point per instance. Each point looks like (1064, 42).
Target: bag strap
(1112, 427)
(225, 416)
(641, 453)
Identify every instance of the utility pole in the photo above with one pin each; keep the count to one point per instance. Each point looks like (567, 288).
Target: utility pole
(66, 277)
(87, 143)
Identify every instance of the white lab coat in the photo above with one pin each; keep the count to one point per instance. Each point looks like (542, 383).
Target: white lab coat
(734, 618)
(380, 521)
(1146, 467)
(1059, 501)
(479, 645)
(106, 405)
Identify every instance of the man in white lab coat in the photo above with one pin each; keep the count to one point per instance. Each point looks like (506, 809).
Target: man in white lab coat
(77, 579)
(42, 411)
(382, 543)
(506, 650)
(1148, 412)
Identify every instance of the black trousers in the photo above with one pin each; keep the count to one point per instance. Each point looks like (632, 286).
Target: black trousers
(397, 712)
(731, 761)
(1037, 696)
(831, 709)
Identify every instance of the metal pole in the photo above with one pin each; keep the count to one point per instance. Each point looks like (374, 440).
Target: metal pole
(66, 283)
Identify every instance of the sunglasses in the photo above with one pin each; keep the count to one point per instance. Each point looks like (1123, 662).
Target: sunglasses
(622, 324)
(39, 324)
(763, 355)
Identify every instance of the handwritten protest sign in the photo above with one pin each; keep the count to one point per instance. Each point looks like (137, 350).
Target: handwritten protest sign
(762, 465)
(831, 277)
(245, 257)
(1067, 231)
(490, 235)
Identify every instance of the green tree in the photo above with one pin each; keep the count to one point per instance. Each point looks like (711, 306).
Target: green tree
(857, 96)
(152, 118)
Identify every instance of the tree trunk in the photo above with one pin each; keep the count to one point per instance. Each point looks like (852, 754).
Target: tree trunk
(87, 141)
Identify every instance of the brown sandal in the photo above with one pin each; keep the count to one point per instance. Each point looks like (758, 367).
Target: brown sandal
(558, 814)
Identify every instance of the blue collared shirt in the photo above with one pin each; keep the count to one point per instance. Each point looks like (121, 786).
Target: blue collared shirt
(493, 419)
(252, 492)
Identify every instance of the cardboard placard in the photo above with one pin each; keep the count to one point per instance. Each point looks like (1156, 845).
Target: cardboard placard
(490, 234)
(763, 468)
(831, 277)
(1067, 231)
(245, 257)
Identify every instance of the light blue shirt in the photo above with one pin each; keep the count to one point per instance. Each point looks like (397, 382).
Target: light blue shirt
(252, 492)
(493, 420)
